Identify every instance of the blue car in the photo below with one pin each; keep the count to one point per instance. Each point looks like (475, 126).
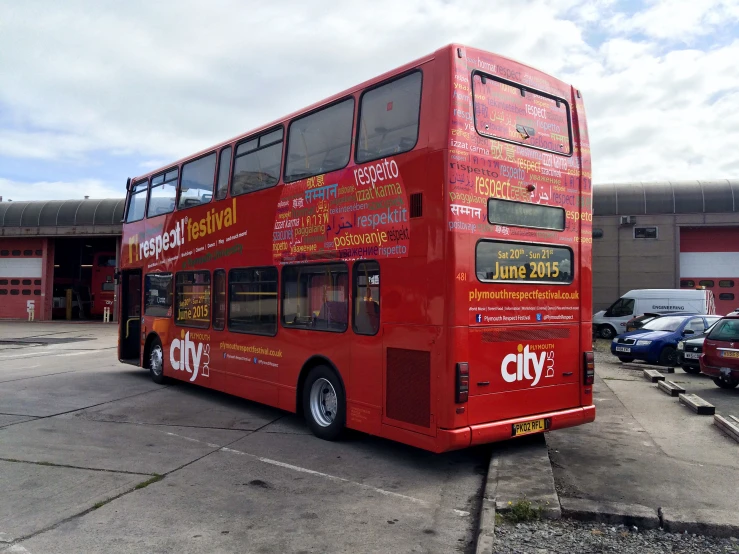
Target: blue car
(656, 342)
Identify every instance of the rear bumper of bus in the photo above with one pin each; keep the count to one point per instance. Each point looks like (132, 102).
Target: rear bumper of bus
(484, 433)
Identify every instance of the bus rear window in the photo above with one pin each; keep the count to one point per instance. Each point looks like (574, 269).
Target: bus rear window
(524, 214)
(511, 112)
(504, 261)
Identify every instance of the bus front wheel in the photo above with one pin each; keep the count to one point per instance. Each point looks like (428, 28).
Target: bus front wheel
(324, 403)
(156, 362)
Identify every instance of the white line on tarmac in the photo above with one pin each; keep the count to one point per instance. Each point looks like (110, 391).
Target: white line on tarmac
(317, 473)
(44, 355)
(17, 549)
(327, 476)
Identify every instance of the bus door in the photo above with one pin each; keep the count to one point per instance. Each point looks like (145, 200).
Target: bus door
(129, 327)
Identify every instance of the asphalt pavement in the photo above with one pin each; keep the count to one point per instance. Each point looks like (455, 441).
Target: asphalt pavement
(94, 457)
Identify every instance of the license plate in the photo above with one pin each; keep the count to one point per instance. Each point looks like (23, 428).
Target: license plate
(623, 349)
(729, 354)
(528, 427)
(692, 355)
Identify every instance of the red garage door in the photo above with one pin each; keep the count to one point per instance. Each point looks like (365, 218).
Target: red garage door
(709, 257)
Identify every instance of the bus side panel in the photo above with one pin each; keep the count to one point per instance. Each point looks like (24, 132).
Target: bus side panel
(582, 146)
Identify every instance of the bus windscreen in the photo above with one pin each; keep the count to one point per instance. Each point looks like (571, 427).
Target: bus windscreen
(515, 113)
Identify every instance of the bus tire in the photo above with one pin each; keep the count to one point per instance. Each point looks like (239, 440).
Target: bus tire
(156, 361)
(324, 403)
(606, 332)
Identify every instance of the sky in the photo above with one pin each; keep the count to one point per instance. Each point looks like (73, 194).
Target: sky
(93, 92)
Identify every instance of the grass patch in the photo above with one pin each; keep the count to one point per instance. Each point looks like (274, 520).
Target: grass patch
(521, 511)
(148, 482)
(100, 504)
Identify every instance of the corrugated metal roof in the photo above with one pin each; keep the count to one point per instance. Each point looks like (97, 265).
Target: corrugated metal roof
(670, 197)
(62, 213)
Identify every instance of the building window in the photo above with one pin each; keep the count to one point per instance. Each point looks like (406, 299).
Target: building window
(726, 296)
(706, 283)
(219, 299)
(320, 142)
(645, 232)
(388, 118)
(366, 317)
(315, 297)
(687, 283)
(252, 301)
(192, 297)
(158, 294)
(597, 233)
(196, 185)
(257, 163)
(726, 284)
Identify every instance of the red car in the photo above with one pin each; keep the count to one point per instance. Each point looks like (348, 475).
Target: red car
(720, 357)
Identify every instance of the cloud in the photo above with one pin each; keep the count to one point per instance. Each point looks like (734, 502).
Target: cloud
(154, 82)
(57, 190)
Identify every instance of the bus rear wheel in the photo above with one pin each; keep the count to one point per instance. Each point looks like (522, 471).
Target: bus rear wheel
(156, 362)
(324, 403)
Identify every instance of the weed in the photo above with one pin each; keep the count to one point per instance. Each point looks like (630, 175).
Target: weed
(522, 510)
(148, 482)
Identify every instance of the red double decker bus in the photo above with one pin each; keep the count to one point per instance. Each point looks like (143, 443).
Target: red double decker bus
(410, 258)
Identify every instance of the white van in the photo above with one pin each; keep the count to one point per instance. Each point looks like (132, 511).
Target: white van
(611, 322)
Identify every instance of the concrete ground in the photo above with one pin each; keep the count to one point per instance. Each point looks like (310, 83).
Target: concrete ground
(645, 448)
(94, 457)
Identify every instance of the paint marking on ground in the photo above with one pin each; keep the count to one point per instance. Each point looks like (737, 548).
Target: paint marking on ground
(326, 476)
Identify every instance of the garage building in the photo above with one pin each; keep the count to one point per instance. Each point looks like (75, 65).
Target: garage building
(666, 235)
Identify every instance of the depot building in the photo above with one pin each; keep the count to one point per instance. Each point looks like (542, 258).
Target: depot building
(58, 258)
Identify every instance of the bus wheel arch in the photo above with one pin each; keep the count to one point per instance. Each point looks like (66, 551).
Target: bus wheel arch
(317, 370)
(153, 348)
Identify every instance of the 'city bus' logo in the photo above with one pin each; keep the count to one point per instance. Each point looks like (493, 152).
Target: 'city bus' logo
(190, 350)
(526, 362)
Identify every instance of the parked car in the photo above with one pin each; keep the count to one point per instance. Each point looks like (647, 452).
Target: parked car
(720, 358)
(689, 351)
(609, 323)
(656, 342)
(638, 322)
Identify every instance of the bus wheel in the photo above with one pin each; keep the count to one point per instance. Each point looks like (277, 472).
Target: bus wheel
(324, 403)
(156, 362)
(606, 332)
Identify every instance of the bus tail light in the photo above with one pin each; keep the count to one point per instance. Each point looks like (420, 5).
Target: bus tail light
(589, 367)
(463, 382)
